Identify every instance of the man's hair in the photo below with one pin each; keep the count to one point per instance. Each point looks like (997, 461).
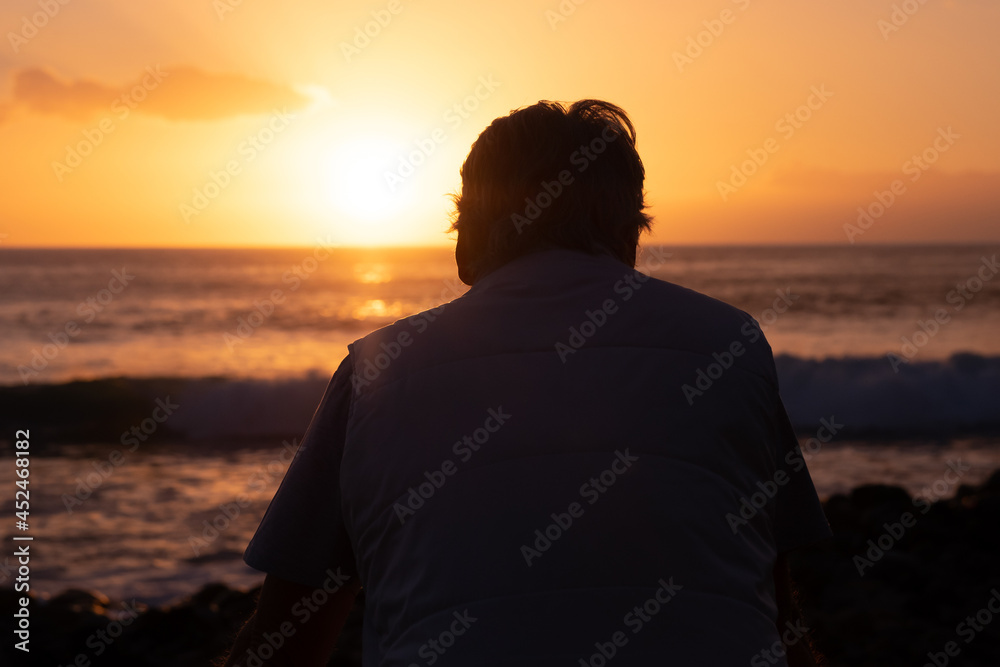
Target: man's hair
(547, 176)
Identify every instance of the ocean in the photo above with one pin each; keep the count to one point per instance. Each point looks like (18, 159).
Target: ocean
(164, 389)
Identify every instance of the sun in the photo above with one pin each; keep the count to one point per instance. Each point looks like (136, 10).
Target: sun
(356, 175)
(369, 181)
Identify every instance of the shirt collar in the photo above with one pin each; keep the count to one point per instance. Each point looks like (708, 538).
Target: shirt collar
(544, 266)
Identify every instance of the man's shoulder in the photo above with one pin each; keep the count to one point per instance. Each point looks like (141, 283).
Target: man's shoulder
(395, 345)
(689, 321)
(403, 330)
(535, 305)
(702, 303)
(694, 309)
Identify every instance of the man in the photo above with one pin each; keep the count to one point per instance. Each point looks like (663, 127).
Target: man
(524, 476)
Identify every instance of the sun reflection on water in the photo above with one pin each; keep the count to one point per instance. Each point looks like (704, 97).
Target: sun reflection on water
(377, 308)
(372, 274)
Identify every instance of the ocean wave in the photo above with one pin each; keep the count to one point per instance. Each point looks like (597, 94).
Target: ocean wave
(871, 397)
(125, 410)
(960, 395)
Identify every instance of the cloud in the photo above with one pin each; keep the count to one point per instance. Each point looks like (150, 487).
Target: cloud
(179, 93)
(39, 91)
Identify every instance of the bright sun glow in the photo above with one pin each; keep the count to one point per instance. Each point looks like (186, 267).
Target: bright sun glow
(352, 175)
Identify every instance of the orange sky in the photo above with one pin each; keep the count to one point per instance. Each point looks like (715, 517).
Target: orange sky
(232, 122)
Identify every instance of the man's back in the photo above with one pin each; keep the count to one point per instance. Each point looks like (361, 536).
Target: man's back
(524, 470)
(571, 462)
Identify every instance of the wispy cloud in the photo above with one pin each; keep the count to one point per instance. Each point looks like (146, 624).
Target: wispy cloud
(178, 93)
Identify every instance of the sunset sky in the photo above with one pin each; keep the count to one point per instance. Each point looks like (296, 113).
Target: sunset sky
(241, 122)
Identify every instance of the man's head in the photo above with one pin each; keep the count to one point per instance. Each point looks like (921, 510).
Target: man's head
(546, 176)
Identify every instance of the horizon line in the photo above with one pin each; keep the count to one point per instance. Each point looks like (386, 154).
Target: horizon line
(761, 244)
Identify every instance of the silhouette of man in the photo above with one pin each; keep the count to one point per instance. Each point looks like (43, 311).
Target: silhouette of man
(572, 463)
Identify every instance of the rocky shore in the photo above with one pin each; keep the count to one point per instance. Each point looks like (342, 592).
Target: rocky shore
(904, 581)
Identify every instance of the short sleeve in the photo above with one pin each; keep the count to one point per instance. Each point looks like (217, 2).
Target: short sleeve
(302, 537)
(798, 515)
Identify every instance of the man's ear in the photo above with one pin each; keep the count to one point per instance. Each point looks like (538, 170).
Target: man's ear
(631, 258)
(464, 259)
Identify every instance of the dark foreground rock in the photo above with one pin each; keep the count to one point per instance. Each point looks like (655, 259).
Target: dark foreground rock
(82, 629)
(903, 582)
